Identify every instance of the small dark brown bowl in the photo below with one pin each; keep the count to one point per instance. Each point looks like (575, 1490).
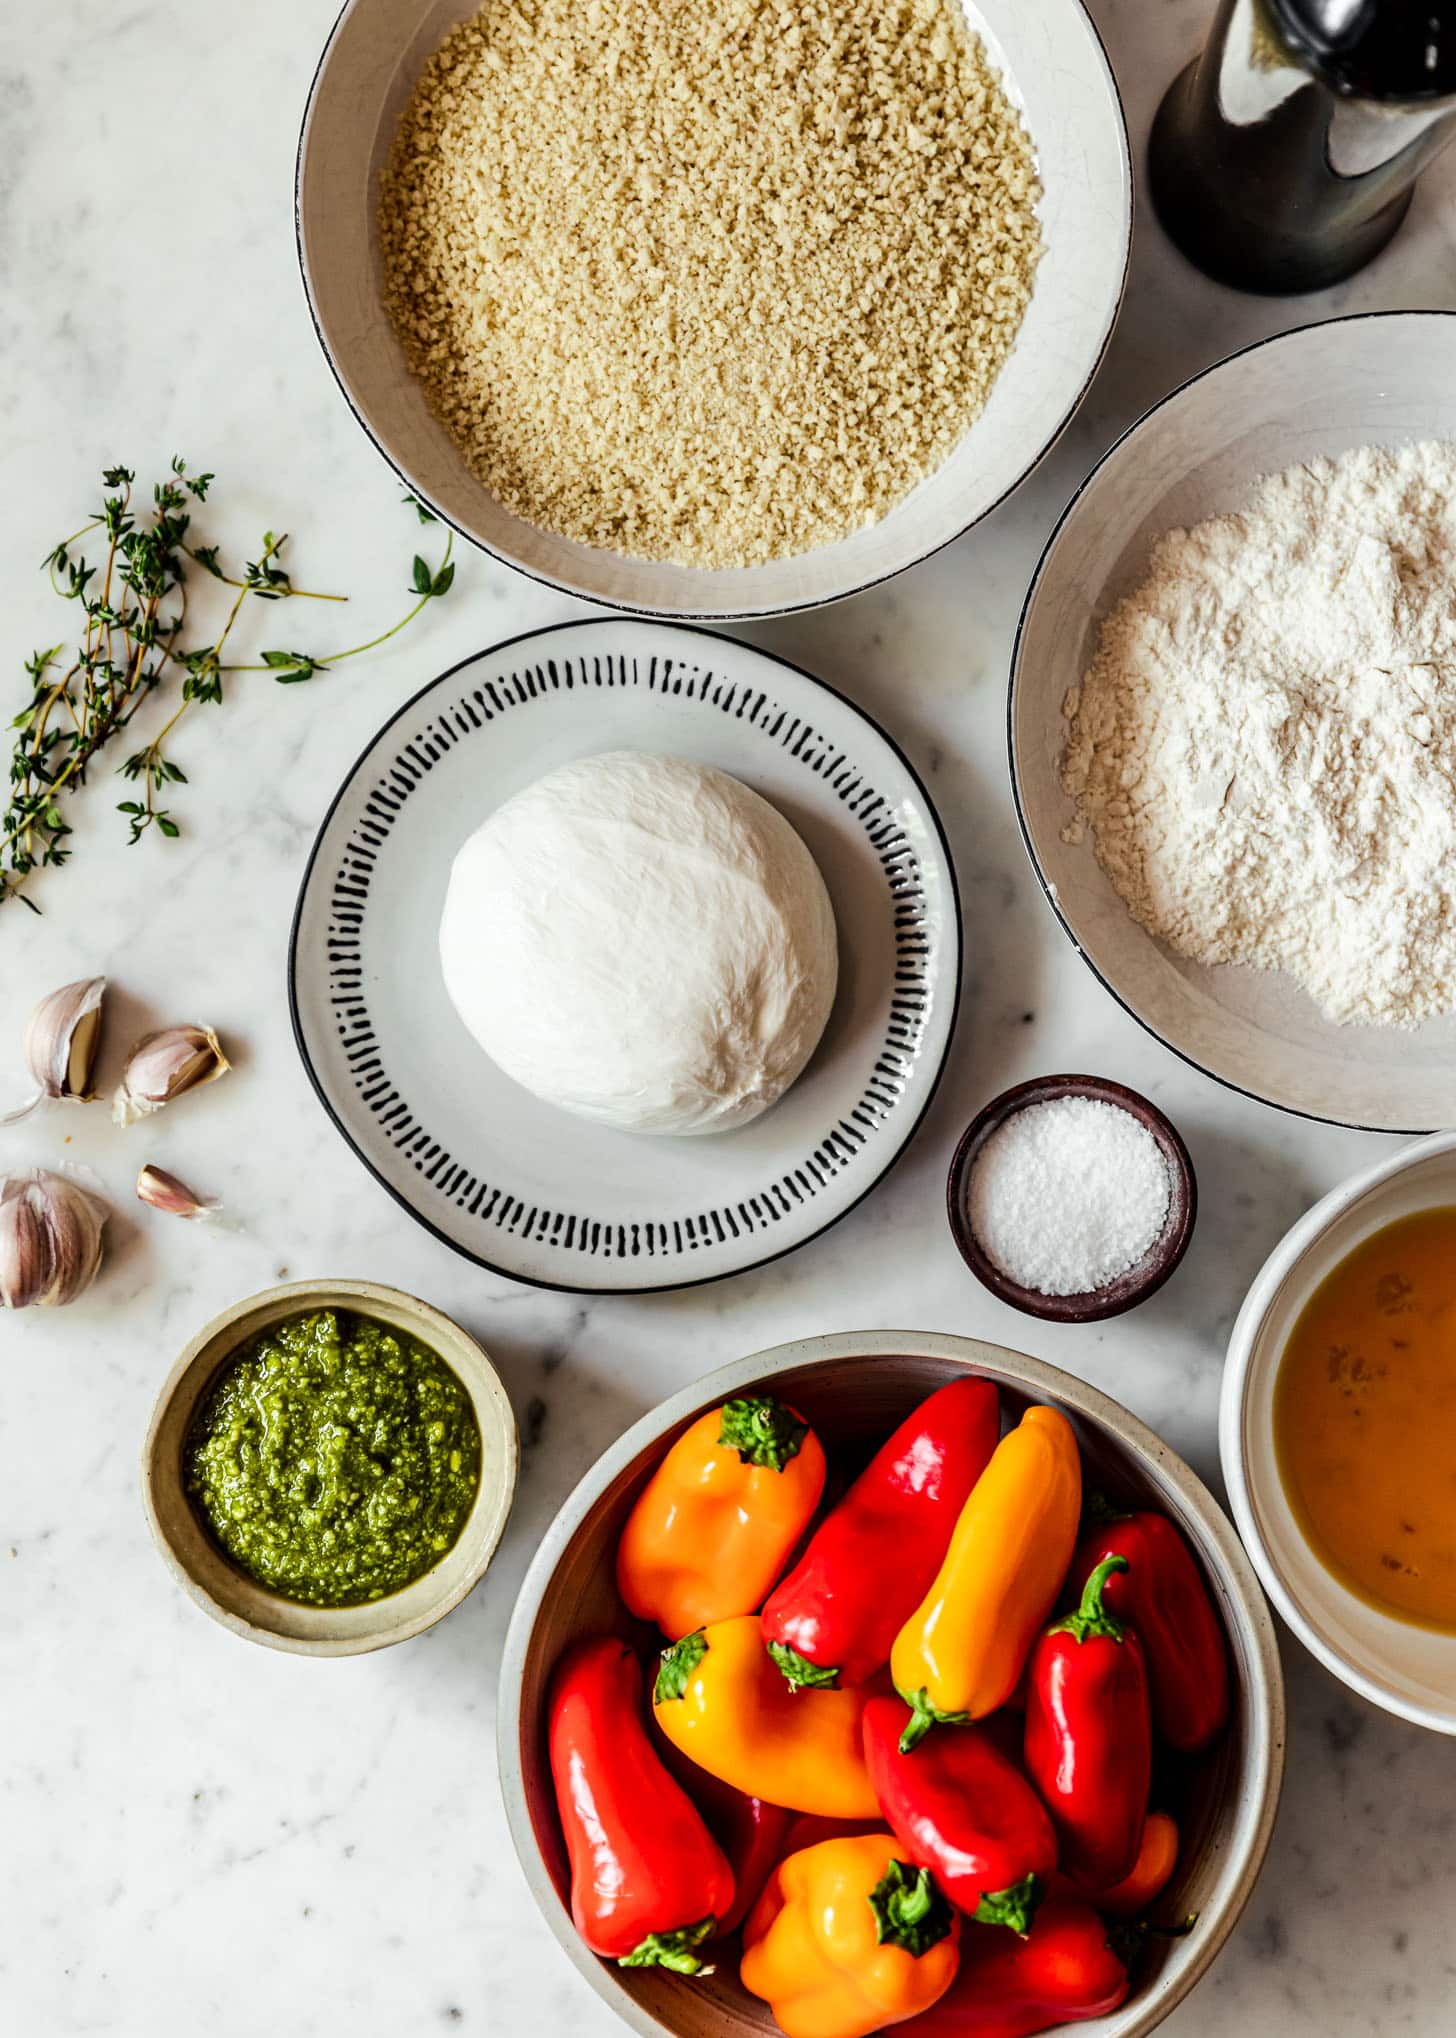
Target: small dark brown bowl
(1141, 1279)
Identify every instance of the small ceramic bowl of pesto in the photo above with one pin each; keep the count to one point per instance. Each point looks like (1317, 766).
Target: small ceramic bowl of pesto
(329, 1467)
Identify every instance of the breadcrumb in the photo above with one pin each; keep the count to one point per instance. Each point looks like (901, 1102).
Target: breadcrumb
(714, 281)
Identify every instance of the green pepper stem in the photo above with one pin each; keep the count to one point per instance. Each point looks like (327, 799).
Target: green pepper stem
(1127, 1940)
(1013, 1907)
(1179, 1931)
(672, 1950)
(799, 1673)
(924, 1716)
(1092, 1618)
(909, 1910)
(1099, 1511)
(677, 1666)
(762, 1431)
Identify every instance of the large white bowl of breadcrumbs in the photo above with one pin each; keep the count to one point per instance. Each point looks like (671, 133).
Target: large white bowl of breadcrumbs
(713, 307)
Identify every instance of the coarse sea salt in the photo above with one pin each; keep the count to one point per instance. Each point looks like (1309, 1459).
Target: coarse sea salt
(1068, 1194)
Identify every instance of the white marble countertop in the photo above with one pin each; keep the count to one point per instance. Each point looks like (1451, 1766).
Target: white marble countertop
(200, 1835)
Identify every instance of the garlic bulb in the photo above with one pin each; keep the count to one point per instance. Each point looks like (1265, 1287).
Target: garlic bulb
(163, 1065)
(168, 1193)
(61, 1042)
(50, 1240)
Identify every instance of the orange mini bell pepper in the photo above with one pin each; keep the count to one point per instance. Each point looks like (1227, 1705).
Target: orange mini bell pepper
(1151, 1873)
(720, 1699)
(959, 1655)
(718, 1520)
(848, 1938)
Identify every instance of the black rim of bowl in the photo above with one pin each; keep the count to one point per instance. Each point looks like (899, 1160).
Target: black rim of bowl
(1138, 1281)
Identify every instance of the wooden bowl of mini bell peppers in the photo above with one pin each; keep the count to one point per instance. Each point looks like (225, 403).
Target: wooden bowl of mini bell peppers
(605, 1573)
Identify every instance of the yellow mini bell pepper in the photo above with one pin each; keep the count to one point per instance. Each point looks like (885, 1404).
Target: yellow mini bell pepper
(718, 1520)
(960, 1653)
(721, 1700)
(848, 1938)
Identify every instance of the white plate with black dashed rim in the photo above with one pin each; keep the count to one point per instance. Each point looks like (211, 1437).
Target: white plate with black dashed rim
(512, 1183)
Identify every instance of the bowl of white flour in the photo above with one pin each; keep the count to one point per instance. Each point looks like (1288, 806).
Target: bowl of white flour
(1233, 721)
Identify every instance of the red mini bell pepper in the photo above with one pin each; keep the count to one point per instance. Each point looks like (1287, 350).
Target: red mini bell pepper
(873, 1558)
(648, 1880)
(1063, 1972)
(752, 1833)
(960, 1809)
(1164, 1597)
(1089, 1738)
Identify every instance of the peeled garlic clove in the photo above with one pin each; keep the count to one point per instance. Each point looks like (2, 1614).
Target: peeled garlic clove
(50, 1240)
(163, 1065)
(170, 1194)
(63, 1036)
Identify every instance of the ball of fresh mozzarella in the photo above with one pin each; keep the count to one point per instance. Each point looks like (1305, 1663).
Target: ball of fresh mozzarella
(643, 941)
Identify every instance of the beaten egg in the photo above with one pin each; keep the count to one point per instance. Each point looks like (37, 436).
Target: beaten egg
(1365, 1419)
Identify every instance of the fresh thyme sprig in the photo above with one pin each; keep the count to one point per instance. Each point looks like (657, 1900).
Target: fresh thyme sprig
(134, 602)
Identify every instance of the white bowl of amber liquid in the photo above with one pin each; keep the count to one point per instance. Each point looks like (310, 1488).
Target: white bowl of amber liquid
(1337, 1430)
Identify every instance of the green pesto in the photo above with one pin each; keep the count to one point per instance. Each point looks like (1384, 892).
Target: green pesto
(334, 1459)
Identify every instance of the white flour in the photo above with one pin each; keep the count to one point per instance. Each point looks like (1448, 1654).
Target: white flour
(1265, 746)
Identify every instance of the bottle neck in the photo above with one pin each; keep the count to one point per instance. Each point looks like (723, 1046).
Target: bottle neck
(1401, 51)
(1267, 176)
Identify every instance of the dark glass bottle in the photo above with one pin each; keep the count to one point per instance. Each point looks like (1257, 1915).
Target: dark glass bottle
(1285, 156)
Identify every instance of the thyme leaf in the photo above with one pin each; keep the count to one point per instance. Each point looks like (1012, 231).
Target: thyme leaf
(132, 597)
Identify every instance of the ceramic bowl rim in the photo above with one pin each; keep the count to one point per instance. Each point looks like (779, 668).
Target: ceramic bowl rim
(1048, 890)
(737, 612)
(1284, 1263)
(484, 1527)
(1265, 1694)
(1163, 1257)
